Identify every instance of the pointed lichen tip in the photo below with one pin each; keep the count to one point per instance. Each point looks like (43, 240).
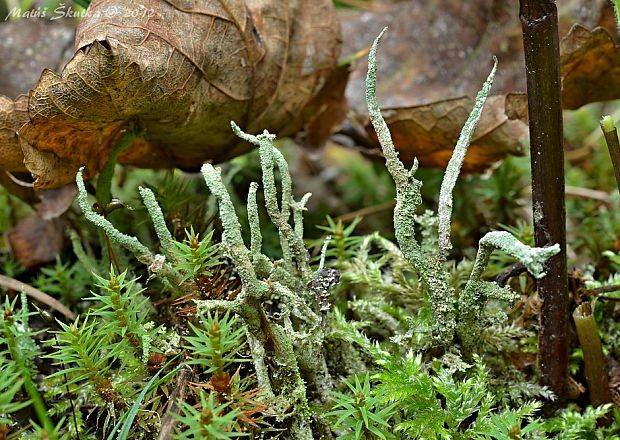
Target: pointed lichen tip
(383, 31)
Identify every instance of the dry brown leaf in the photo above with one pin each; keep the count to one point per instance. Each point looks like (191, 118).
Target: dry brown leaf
(182, 71)
(590, 67)
(436, 52)
(441, 49)
(55, 202)
(428, 131)
(589, 13)
(13, 114)
(327, 109)
(35, 241)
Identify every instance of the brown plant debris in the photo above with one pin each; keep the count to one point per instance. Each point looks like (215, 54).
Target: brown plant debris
(590, 67)
(182, 71)
(13, 114)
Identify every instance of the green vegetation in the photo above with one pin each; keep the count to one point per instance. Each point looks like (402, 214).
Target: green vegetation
(211, 325)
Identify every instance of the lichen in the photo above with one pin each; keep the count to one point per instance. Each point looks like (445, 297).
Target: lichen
(449, 314)
(294, 339)
(475, 295)
(132, 244)
(444, 211)
(408, 198)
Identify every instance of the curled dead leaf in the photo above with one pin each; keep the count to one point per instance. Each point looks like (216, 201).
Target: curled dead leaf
(53, 203)
(181, 71)
(438, 51)
(434, 58)
(435, 50)
(13, 114)
(429, 132)
(590, 67)
(327, 109)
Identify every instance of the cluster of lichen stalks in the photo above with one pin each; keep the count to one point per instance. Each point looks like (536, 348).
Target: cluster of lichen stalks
(292, 341)
(453, 314)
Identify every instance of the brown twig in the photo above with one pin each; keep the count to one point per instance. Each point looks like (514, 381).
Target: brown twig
(539, 19)
(604, 289)
(19, 189)
(178, 395)
(42, 297)
(512, 271)
(579, 192)
(369, 210)
(613, 144)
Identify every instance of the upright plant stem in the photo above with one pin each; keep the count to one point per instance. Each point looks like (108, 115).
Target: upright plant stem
(104, 181)
(613, 144)
(594, 360)
(541, 43)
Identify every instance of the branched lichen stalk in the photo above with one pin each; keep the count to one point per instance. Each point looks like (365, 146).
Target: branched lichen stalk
(262, 264)
(262, 376)
(394, 165)
(323, 255)
(473, 299)
(279, 216)
(132, 244)
(290, 347)
(253, 290)
(205, 306)
(298, 214)
(531, 257)
(290, 241)
(286, 182)
(407, 186)
(444, 211)
(408, 198)
(232, 238)
(256, 238)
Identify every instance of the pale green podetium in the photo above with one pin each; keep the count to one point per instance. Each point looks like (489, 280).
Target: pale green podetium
(450, 315)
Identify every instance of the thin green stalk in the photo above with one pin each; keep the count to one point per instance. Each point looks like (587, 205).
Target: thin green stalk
(444, 211)
(103, 192)
(37, 401)
(613, 144)
(595, 364)
(87, 261)
(474, 294)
